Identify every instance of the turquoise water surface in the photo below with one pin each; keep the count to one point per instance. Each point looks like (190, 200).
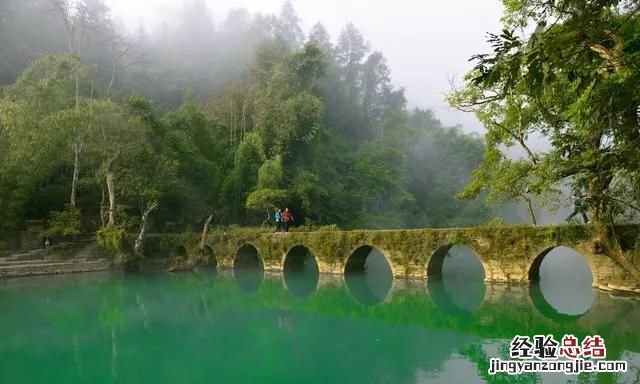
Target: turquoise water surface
(297, 327)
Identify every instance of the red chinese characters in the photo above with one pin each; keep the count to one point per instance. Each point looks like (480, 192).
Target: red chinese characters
(569, 347)
(594, 347)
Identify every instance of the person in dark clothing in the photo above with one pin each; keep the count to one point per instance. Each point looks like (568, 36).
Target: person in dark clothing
(278, 219)
(579, 206)
(287, 218)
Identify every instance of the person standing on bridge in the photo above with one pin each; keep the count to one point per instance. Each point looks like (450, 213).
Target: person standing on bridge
(278, 219)
(287, 218)
(579, 206)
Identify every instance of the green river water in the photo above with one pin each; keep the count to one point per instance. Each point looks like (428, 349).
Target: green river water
(296, 327)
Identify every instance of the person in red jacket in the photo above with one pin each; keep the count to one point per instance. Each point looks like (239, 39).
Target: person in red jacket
(286, 219)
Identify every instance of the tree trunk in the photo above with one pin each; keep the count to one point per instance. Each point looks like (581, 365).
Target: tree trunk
(113, 78)
(268, 219)
(111, 190)
(77, 90)
(205, 229)
(102, 200)
(607, 241)
(112, 199)
(143, 227)
(76, 172)
(532, 215)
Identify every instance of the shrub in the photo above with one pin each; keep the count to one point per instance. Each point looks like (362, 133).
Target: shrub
(65, 222)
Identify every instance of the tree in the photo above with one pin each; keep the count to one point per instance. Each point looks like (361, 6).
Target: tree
(510, 124)
(350, 49)
(243, 178)
(235, 119)
(510, 180)
(75, 18)
(35, 129)
(288, 27)
(111, 139)
(379, 96)
(287, 112)
(573, 80)
(320, 37)
(577, 92)
(269, 192)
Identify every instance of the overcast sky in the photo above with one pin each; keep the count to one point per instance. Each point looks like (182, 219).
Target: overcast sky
(426, 42)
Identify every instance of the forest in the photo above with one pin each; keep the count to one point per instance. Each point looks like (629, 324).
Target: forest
(222, 122)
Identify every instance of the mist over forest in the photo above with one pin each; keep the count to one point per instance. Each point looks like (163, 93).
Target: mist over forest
(230, 119)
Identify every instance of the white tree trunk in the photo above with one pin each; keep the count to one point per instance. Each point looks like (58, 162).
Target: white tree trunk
(113, 78)
(205, 229)
(112, 199)
(76, 172)
(111, 190)
(143, 227)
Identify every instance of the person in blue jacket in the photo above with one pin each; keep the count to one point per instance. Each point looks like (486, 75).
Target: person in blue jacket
(278, 219)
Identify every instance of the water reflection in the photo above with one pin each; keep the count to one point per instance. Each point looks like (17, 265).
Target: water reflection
(543, 306)
(248, 269)
(458, 287)
(457, 296)
(368, 276)
(167, 328)
(301, 273)
(565, 281)
(248, 280)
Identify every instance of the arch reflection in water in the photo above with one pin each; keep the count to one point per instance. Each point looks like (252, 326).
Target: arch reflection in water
(368, 275)
(456, 280)
(564, 282)
(300, 272)
(248, 269)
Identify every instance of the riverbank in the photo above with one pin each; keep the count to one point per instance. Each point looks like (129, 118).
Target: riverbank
(60, 259)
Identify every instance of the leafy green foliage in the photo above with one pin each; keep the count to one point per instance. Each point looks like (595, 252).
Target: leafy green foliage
(270, 173)
(571, 80)
(266, 199)
(312, 126)
(65, 223)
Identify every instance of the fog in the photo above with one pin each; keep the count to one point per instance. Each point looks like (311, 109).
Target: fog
(371, 84)
(426, 43)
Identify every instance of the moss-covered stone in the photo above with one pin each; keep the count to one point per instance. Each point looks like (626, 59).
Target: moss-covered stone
(507, 253)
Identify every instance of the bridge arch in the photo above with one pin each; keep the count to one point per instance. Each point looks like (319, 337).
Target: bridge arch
(300, 271)
(460, 300)
(563, 280)
(368, 274)
(248, 268)
(180, 251)
(533, 267)
(296, 252)
(436, 261)
(209, 256)
(248, 256)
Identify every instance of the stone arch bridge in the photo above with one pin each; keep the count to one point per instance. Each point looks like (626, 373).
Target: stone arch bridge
(510, 254)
